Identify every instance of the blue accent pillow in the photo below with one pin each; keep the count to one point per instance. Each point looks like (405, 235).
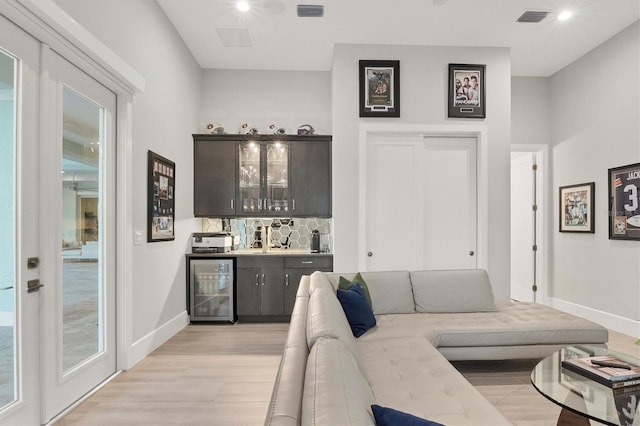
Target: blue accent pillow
(356, 309)
(389, 417)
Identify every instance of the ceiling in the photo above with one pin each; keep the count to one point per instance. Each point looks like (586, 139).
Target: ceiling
(283, 41)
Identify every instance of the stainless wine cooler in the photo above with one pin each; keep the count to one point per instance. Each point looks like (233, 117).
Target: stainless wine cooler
(212, 290)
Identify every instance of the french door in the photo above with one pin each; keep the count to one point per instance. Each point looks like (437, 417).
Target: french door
(57, 321)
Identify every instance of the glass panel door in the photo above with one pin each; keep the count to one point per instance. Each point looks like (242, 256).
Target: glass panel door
(19, 214)
(78, 188)
(250, 178)
(83, 136)
(277, 178)
(8, 353)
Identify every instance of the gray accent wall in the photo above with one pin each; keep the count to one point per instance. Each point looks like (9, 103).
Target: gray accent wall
(595, 126)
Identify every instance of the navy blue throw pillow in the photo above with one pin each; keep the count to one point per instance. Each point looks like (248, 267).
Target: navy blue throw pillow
(356, 309)
(389, 417)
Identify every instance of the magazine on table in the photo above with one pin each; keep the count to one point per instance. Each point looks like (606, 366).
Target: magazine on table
(606, 369)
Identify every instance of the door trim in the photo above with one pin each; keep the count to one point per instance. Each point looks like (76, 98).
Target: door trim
(479, 132)
(544, 209)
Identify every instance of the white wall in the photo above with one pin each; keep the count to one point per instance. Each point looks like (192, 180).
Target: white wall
(595, 112)
(423, 99)
(286, 98)
(165, 116)
(530, 110)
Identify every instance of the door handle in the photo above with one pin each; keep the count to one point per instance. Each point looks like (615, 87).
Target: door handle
(33, 285)
(370, 254)
(471, 253)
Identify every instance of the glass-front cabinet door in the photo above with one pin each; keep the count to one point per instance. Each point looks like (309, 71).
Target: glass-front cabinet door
(264, 178)
(277, 182)
(250, 178)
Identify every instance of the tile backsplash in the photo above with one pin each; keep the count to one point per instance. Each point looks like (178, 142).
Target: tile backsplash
(297, 229)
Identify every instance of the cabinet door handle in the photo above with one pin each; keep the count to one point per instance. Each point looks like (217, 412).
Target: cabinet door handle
(257, 283)
(262, 279)
(293, 206)
(286, 280)
(232, 203)
(307, 262)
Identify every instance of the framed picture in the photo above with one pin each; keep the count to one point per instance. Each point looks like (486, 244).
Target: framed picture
(624, 206)
(466, 91)
(379, 88)
(576, 208)
(160, 198)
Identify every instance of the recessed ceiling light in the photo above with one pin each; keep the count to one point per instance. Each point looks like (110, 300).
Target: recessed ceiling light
(564, 15)
(243, 6)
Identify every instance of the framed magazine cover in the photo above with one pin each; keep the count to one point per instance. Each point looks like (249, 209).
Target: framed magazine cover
(161, 198)
(379, 88)
(577, 208)
(466, 91)
(624, 203)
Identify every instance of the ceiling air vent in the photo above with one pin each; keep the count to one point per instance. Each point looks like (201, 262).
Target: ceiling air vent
(310, 10)
(531, 16)
(234, 37)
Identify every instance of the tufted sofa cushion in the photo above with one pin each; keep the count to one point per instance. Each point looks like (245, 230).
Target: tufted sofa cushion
(453, 291)
(410, 375)
(335, 391)
(390, 291)
(325, 318)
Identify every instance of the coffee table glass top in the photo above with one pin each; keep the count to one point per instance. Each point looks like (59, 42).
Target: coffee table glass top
(584, 396)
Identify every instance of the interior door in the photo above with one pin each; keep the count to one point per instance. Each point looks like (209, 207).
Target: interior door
(421, 202)
(450, 204)
(19, 212)
(77, 186)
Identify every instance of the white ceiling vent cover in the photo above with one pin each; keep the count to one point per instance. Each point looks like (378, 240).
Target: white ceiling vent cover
(532, 17)
(234, 37)
(310, 11)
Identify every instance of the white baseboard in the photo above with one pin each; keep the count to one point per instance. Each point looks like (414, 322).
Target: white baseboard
(147, 344)
(611, 321)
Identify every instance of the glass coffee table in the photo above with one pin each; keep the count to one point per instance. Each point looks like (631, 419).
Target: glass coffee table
(582, 398)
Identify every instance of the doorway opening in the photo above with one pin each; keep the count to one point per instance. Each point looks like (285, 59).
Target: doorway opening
(529, 221)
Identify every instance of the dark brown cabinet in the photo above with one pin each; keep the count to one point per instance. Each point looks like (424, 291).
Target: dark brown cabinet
(297, 266)
(262, 176)
(260, 286)
(266, 285)
(214, 184)
(311, 178)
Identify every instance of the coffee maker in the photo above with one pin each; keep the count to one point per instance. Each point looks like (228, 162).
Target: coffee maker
(315, 241)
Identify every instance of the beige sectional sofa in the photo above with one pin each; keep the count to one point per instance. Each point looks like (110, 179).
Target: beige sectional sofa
(424, 320)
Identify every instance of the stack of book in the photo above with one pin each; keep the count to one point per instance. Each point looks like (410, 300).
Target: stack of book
(606, 369)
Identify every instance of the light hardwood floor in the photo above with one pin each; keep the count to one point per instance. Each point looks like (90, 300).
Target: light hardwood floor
(224, 374)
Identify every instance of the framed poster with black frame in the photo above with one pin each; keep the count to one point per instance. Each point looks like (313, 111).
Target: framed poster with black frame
(466, 91)
(379, 88)
(577, 208)
(624, 205)
(160, 198)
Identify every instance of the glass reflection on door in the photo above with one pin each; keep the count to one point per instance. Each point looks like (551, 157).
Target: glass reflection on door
(82, 283)
(277, 177)
(8, 354)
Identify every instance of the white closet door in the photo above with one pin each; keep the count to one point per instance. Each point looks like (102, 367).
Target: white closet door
(421, 202)
(450, 203)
